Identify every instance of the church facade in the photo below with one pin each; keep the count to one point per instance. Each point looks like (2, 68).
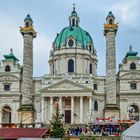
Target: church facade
(73, 82)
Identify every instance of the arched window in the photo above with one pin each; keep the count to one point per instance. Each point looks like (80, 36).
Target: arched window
(7, 68)
(133, 112)
(6, 114)
(90, 48)
(27, 24)
(96, 105)
(110, 21)
(73, 22)
(132, 66)
(70, 65)
(90, 68)
(77, 22)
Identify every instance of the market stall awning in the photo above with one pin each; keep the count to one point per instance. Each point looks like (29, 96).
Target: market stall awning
(15, 133)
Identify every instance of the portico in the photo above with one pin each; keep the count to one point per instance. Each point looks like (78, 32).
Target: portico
(72, 102)
(72, 107)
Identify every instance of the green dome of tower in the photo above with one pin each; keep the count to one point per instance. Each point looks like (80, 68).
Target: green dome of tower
(28, 18)
(74, 36)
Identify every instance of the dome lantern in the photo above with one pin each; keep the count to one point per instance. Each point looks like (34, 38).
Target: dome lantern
(74, 36)
(74, 19)
(110, 18)
(28, 21)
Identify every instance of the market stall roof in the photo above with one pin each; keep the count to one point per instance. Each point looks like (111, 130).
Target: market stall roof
(15, 133)
(105, 123)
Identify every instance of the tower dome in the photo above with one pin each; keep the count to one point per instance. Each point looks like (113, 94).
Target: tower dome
(74, 36)
(73, 50)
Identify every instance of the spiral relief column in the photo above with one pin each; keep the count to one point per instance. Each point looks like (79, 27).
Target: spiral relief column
(27, 107)
(110, 30)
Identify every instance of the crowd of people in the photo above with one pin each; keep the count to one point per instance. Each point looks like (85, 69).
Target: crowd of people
(94, 130)
(106, 130)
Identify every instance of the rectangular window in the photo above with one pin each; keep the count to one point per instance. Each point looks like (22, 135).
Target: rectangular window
(133, 85)
(7, 87)
(95, 87)
(96, 105)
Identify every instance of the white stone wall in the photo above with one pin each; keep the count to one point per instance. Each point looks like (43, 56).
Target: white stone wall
(10, 98)
(127, 95)
(14, 104)
(82, 59)
(15, 67)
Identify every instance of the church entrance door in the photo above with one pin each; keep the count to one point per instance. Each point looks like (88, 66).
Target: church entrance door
(67, 116)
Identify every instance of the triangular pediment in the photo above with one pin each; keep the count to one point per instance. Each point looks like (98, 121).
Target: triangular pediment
(130, 75)
(65, 85)
(8, 77)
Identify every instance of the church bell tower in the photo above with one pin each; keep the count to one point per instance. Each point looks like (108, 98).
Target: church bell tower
(27, 109)
(110, 31)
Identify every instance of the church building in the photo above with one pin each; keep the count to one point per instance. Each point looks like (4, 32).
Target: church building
(82, 95)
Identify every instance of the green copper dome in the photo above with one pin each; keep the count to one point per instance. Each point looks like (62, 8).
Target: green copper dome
(131, 53)
(81, 37)
(74, 36)
(10, 56)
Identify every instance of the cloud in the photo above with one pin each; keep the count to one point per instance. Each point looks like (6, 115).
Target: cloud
(128, 11)
(42, 47)
(11, 38)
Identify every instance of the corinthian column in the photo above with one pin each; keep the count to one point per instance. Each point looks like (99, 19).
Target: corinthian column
(60, 104)
(42, 109)
(72, 110)
(27, 106)
(51, 107)
(81, 109)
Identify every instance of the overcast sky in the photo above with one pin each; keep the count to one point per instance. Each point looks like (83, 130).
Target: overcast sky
(51, 16)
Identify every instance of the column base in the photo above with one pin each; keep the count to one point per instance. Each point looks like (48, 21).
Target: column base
(26, 116)
(112, 111)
